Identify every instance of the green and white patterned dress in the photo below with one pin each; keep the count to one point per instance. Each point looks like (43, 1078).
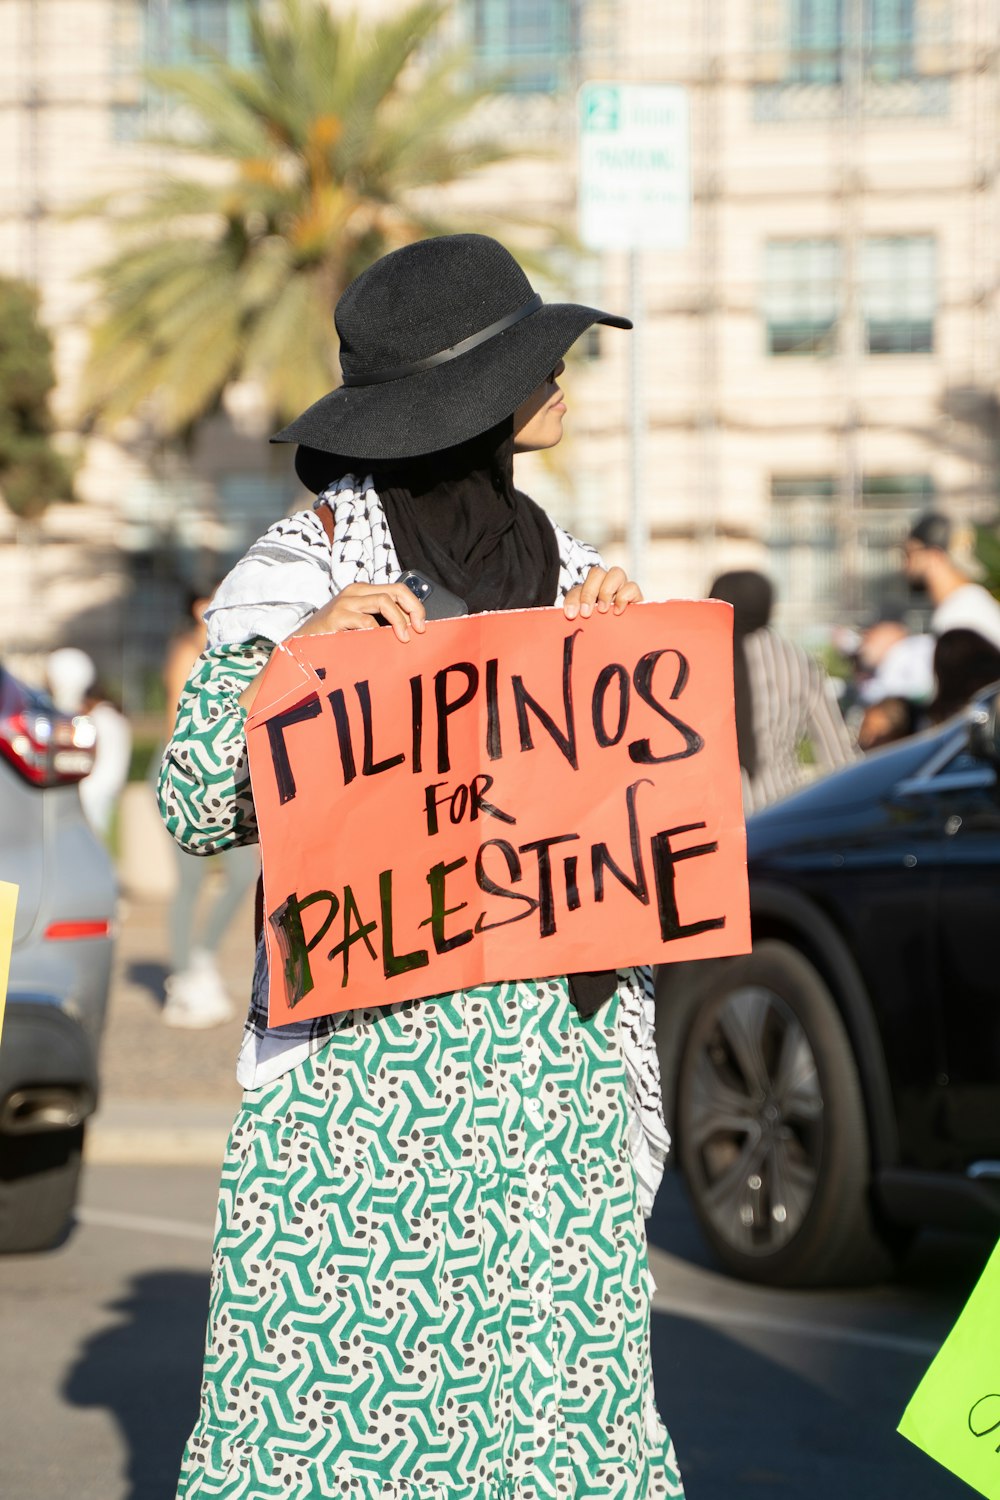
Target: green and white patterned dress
(430, 1277)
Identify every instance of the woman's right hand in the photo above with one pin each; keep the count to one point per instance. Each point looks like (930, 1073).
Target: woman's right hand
(356, 606)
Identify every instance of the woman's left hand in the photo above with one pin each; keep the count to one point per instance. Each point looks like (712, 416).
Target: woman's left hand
(603, 589)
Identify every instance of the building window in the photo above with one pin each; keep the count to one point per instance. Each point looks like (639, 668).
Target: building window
(828, 558)
(889, 51)
(899, 48)
(801, 292)
(815, 40)
(181, 32)
(899, 293)
(803, 549)
(528, 43)
(890, 503)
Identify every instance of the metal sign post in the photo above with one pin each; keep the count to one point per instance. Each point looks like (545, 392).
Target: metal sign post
(635, 195)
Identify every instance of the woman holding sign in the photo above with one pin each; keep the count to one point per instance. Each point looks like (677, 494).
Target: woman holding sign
(430, 1272)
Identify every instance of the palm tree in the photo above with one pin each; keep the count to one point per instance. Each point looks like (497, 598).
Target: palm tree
(334, 144)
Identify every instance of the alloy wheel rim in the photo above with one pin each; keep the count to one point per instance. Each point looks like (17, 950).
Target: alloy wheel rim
(752, 1121)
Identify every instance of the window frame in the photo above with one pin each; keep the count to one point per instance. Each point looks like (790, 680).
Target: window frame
(900, 334)
(490, 26)
(818, 336)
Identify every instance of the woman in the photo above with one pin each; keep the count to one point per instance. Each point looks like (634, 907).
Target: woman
(430, 1273)
(783, 697)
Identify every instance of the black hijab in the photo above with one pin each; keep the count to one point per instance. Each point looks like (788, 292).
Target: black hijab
(752, 599)
(456, 517)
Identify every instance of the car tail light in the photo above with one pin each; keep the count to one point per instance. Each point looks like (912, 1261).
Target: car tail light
(44, 746)
(68, 932)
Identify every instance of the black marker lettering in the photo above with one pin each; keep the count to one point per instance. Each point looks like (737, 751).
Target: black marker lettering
(494, 745)
(359, 934)
(445, 707)
(566, 740)
(664, 861)
(309, 708)
(543, 848)
(599, 856)
(431, 805)
(343, 723)
(436, 878)
(286, 920)
(479, 801)
(370, 767)
(639, 750)
(417, 721)
(980, 1423)
(395, 963)
(608, 675)
(487, 884)
(572, 887)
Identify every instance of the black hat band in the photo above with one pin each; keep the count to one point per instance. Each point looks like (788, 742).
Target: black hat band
(398, 372)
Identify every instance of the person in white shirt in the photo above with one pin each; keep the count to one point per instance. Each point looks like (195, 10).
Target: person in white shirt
(895, 664)
(959, 604)
(71, 677)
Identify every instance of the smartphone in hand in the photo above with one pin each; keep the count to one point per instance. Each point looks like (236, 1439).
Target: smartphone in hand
(439, 603)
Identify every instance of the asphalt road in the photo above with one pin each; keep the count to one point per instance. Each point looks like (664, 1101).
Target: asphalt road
(766, 1394)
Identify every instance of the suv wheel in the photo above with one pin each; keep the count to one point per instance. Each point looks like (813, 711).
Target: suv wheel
(772, 1134)
(38, 1184)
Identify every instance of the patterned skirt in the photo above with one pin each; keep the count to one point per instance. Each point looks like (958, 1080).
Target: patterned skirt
(430, 1277)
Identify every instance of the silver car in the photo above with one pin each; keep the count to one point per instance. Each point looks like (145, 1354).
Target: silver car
(60, 967)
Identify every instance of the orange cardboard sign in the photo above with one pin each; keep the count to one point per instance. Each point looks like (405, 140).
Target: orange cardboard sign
(508, 796)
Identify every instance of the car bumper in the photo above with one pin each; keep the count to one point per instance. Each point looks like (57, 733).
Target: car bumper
(48, 1068)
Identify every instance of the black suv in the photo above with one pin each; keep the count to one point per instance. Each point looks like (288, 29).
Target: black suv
(840, 1086)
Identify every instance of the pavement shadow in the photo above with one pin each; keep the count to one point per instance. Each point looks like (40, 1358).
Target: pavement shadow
(151, 975)
(752, 1420)
(145, 1369)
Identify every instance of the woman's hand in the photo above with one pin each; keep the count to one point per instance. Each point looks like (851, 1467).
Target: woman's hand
(604, 588)
(355, 608)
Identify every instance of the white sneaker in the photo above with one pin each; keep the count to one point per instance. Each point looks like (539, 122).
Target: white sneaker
(196, 997)
(202, 965)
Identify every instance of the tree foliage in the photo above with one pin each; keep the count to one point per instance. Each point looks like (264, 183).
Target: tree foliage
(326, 152)
(988, 554)
(32, 471)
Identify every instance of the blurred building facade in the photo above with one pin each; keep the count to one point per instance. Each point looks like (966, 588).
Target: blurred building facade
(818, 365)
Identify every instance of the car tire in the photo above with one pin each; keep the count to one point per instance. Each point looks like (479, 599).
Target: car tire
(39, 1176)
(772, 1132)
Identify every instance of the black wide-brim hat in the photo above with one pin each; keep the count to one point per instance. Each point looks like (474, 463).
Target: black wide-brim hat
(439, 342)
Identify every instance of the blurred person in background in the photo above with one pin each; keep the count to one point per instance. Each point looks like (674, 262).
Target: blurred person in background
(964, 662)
(196, 996)
(71, 677)
(959, 604)
(886, 722)
(896, 682)
(893, 663)
(783, 698)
